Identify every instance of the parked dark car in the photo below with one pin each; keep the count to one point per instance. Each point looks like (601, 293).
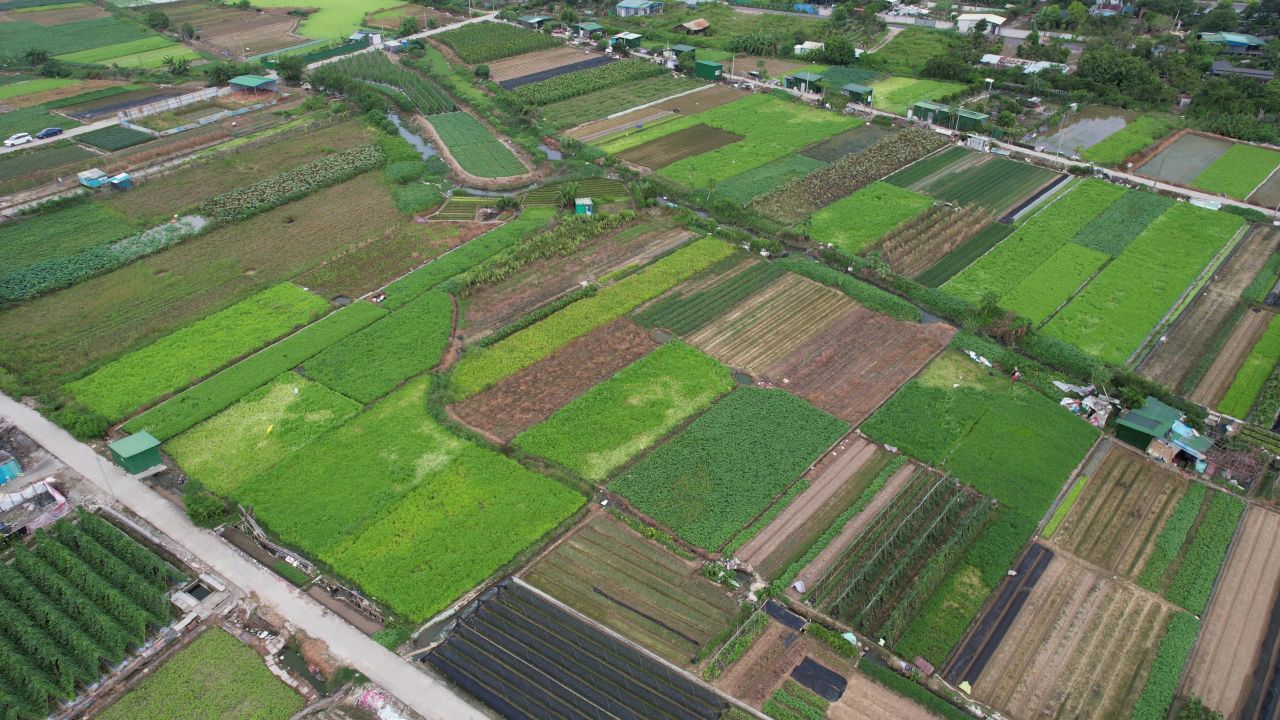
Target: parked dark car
(48, 133)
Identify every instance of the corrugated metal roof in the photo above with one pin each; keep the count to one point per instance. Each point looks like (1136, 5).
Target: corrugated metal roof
(589, 26)
(856, 88)
(250, 81)
(698, 24)
(806, 76)
(635, 3)
(134, 444)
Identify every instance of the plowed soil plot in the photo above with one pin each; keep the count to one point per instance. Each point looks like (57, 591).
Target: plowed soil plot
(1224, 368)
(678, 146)
(636, 587)
(694, 102)
(1234, 639)
(536, 62)
(582, 63)
(493, 306)
(767, 328)
(1082, 647)
(866, 699)
(770, 660)
(835, 483)
(859, 361)
(533, 394)
(1196, 328)
(1124, 505)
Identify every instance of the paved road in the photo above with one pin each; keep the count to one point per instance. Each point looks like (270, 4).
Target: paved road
(424, 694)
(70, 133)
(415, 36)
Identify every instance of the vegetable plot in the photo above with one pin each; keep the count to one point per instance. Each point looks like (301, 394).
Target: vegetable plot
(482, 42)
(563, 87)
(862, 218)
(729, 465)
(377, 69)
(474, 147)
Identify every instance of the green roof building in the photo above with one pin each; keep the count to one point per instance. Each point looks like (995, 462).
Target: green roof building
(859, 93)
(587, 29)
(708, 70)
(252, 82)
(137, 452)
(1153, 420)
(804, 82)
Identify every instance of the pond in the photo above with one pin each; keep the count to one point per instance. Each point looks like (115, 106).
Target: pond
(1085, 129)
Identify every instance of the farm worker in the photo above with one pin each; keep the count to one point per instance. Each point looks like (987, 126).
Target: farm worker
(1016, 375)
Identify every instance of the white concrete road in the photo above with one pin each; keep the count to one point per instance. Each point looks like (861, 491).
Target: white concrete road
(415, 36)
(70, 133)
(426, 695)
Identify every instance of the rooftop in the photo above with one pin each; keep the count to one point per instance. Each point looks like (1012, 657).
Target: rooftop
(635, 3)
(250, 81)
(134, 444)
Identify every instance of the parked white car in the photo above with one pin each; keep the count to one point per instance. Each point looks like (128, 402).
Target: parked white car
(18, 139)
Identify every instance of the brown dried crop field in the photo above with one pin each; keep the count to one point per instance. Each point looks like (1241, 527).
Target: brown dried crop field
(835, 482)
(920, 243)
(772, 324)
(657, 154)
(1224, 368)
(532, 395)
(1193, 333)
(696, 102)
(1234, 640)
(79, 88)
(493, 306)
(536, 62)
(607, 572)
(769, 661)
(866, 699)
(56, 16)
(859, 361)
(1125, 502)
(1081, 647)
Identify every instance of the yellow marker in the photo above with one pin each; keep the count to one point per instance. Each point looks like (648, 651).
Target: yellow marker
(269, 427)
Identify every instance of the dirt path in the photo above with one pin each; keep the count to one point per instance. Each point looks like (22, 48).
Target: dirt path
(856, 525)
(1219, 672)
(820, 492)
(1215, 383)
(1194, 331)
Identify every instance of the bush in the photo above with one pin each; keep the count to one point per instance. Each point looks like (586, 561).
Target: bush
(404, 172)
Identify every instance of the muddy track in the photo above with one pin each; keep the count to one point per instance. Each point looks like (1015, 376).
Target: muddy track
(1223, 371)
(1219, 672)
(1193, 333)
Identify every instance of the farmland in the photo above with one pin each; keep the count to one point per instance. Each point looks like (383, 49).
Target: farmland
(534, 62)
(585, 108)
(1134, 136)
(233, 29)
(571, 85)
(634, 586)
(216, 672)
(896, 94)
(707, 98)
(114, 138)
(487, 41)
(1253, 372)
(51, 235)
(996, 185)
(399, 526)
(422, 93)
(1238, 171)
(659, 153)
(744, 451)
(877, 208)
(1221, 374)
(612, 422)
(922, 243)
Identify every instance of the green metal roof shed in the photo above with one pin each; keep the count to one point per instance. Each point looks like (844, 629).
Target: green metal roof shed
(861, 93)
(970, 119)
(251, 82)
(707, 70)
(534, 21)
(137, 452)
(682, 49)
(588, 28)
(1153, 420)
(804, 81)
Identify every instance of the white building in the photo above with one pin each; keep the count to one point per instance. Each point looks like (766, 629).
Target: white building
(967, 21)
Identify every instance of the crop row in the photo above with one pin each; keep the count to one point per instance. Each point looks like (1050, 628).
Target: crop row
(485, 41)
(563, 87)
(1171, 538)
(596, 188)
(1191, 586)
(1253, 374)
(291, 185)
(74, 605)
(916, 245)
(368, 364)
(114, 138)
(474, 147)
(682, 314)
(463, 258)
(923, 168)
(963, 256)
(995, 184)
(377, 68)
(802, 197)
(1064, 507)
(855, 222)
(739, 455)
(485, 366)
(794, 701)
(58, 233)
(178, 414)
(1053, 281)
(1238, 171)
(626, 414)
(1115, 227)
(183, 357)
(865, 293)
(736, 647)
(1166, 671)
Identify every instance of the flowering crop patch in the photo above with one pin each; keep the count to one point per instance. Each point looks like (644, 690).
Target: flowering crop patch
(728, 465)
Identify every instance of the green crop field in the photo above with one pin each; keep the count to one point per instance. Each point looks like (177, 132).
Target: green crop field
(32, 119)
(626, 414)
(923, 168)
(582, 82)
(19, 164)
(258, 431)
(1044, 289)
(860, 219)
(33, 86)
(210, 397)
(1114, 313)
(747, 186)
(483, 367)
(114, 138)
(962, 257)
(1253, 373)
(474, 147)
(59, 233)
(1005, 440)
(1238, 171)
(683, 313)
(713, 478)
(911, 49)
(333, 18)
(116, 50)
(1114, 228)
(609, 100)
(217, 677)
(996, 184)
(486, 41)
(896, 94)
(1139, 134)
(1001, 269)
(183, 357)
(417, 516)
(368, 364)
(17, 37)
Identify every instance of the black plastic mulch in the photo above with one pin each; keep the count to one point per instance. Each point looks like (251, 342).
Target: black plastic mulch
(775, 610)
(514, 83)
(824, 681)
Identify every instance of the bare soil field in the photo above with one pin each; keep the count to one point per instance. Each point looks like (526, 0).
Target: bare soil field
(536, 62)
(1224, 368)
(636, 587)
(232, 30)
(769, 661)
(679, 145)
(688, 104)
(56, 16)
(389, 19)
(859, 362)
(818, 568)
(491, 307)
(1082, 647)
(1236, 623)
(835, 482)
(1193, 333)
(866, 699)
(772, 324)
(533, 394)
(39, 98)
(1115, 520)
